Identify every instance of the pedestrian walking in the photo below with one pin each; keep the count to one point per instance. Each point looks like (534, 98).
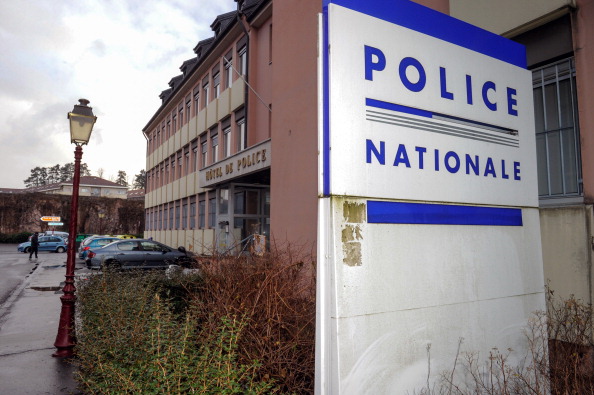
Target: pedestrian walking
(34, 245)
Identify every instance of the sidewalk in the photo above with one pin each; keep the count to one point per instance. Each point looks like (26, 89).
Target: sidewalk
(28, 327)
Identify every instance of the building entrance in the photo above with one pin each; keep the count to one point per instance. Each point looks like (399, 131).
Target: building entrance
(243, 211)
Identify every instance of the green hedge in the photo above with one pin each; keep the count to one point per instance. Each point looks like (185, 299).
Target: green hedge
(135, 337)
(14, 238)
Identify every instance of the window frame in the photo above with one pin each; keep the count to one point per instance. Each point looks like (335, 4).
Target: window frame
(559, 175)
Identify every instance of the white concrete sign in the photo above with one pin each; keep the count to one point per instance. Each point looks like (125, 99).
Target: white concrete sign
(429, 229)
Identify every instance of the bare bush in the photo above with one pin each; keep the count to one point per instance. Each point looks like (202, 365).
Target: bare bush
(559, 359)
(276, 294)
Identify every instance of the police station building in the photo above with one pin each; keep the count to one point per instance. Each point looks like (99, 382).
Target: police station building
(233, 149)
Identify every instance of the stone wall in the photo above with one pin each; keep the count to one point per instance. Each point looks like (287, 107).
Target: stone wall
(22, 212)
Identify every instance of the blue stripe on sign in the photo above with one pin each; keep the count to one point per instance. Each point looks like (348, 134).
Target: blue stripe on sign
(379, 212)
(326, 112)
(397, 107)
(433, 23)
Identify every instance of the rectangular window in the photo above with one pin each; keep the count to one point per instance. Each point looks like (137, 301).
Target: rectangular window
(194, 155)
(212, 212)
(180, 114)
(177, 215)
(193, 212)
(166, 181)
(160, 223)
(228, 63)
(241, 135)
(165, 216)
(214, 143)
(227, 142)
(196, 100)
(185, 214)
(216, 84)
(205, 97)
(223, 201)
(557, 133)
(188, 108)
(179, 164)
(202, 211)
(203, 151)
(174, 118)
(242, 53)
(186, 168)
(168, 130)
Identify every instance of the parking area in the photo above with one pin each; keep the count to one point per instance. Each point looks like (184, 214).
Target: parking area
(16, 266)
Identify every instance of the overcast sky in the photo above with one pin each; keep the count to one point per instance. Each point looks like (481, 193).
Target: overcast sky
(119, 54)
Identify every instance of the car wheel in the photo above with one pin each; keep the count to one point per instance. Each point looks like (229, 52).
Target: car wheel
(60, 249)
(27, 250)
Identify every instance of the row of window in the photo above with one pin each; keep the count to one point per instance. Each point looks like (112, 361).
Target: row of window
(201, 152)
(199, 97)
(200, 211)
(187, 213)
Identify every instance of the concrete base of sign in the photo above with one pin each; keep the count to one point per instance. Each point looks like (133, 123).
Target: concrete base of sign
(402, 296)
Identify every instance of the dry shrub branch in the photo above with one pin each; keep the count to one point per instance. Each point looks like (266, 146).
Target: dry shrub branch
(276, 294)
(559, 359)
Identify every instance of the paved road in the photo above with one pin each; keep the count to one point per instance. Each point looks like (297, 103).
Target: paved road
(16, 266)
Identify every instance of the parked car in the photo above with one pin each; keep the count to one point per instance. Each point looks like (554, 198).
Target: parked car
(84, 242)
(63, 235)
(79, 238)
(95, 242)
(46, 243)
(137, 253)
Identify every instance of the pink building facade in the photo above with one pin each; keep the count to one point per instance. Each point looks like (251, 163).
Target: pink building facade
(233, 149)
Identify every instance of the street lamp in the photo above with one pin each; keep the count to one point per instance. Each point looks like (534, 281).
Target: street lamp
(81, 125)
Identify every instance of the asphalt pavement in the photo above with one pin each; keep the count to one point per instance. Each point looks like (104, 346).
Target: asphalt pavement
(28, 327)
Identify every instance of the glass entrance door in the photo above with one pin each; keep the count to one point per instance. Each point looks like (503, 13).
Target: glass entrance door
(251, 214)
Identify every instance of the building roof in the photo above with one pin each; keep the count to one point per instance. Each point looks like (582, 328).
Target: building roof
(187, 65)
(136, 194)
(97, 181)
(222, 21)
(12, 190)
(84, 181)
(220, 26)
(203, 46)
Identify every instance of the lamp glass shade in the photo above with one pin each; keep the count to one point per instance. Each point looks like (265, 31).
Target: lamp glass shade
(81, 127)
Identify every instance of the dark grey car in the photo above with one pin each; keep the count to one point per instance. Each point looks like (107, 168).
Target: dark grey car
(136, 253)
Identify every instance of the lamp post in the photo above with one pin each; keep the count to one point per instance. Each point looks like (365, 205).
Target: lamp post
(81, 125)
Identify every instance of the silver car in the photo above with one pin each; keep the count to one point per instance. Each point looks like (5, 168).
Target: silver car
(137, 253)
